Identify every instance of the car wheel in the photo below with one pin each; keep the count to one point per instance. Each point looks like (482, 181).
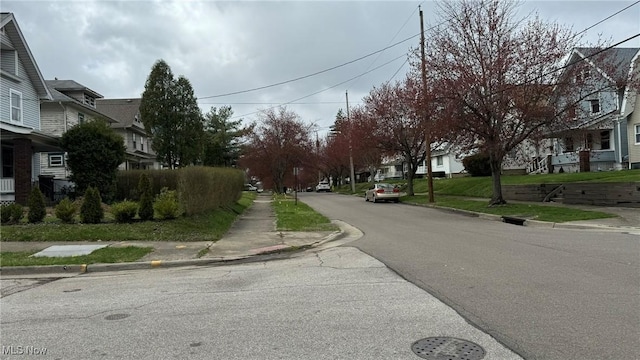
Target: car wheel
(396, 201)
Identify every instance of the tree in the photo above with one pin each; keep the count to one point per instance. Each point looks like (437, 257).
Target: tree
(278, 144)
(172, 118)
(496, 74)
(91, 211)
(37, 207)
(145, 189)
(94, 152)
(222, 146)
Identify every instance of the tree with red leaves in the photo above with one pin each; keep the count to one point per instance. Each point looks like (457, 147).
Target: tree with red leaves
(497, 74)
(278, 143)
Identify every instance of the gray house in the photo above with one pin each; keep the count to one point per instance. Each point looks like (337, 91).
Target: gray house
(126, 112)
(599, 130)
(22, 88)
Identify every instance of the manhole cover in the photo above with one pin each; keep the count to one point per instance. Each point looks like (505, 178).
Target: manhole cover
(117, 316)
(447, 348)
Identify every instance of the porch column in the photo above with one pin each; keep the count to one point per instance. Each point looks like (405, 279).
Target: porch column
(22, 170)
(584, 157)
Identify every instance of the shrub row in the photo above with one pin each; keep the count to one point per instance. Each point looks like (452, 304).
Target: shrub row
(198, 188)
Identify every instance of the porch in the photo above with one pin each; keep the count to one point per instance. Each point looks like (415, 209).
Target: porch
(599, 160)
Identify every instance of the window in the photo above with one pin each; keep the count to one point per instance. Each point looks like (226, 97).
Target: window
(135, 146)
(16, 106)
(595, 106)
(88, 100)
(142, 143)
(637, 127)
(80, 118)
(7, 162)
(589, 141)
(439, 160)
(568, 144)
(56, 160)
(605, 142)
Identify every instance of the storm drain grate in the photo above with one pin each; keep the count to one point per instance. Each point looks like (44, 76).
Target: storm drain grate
(447, 348)
(117, 316)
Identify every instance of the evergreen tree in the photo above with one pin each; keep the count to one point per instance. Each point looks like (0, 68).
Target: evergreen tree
(91, 211)
(37, 207)
(94, 152)
(145, 209)
(172, 118)
(222, 138)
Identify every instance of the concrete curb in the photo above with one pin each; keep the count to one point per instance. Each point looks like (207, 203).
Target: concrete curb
(277, 254)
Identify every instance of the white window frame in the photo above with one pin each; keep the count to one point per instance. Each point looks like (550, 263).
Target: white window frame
(439, 160)
(80, 118)
(56, 163)
(637, 127)
(88, 100)
(12, 106)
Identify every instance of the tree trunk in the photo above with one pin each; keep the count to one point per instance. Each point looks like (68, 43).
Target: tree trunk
(496, 169)
(410, 175)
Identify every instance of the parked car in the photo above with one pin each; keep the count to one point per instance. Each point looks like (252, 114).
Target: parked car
(323, 186)
(249, 187)
(382, 192)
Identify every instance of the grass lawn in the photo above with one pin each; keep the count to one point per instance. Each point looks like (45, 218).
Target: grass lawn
(529, 211)
(300, 217)
(104, 255)
(204, 227)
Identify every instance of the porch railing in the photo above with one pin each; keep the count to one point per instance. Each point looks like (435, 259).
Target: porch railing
(7, 185)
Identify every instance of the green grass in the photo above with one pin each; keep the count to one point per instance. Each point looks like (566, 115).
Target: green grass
(210, 226)
(104, 255)
(300, 217)
(528, 211)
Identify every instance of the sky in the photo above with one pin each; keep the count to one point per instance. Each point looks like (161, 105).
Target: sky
(226, 47)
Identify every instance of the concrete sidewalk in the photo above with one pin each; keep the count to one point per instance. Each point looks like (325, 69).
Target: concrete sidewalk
(254, 237)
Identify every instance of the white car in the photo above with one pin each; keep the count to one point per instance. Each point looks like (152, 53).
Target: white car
(323, 186)
(382, 192)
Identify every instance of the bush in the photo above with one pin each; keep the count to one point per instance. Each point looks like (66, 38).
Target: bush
(145, 189)
(91, 210)
(11, 213)
(37, 207)
(66, 210)
(477, 165)
(166, 205)
(124, 211)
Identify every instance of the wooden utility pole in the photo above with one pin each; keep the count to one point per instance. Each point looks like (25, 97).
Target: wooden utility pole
(425, 118)
(352, 174)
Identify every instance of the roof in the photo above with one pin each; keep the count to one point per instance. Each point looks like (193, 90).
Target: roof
(124, 111)
(71, 85)
(618, 59)
(13, 32)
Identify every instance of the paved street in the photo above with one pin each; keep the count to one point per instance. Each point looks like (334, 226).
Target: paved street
(545, 293)
(333, 303)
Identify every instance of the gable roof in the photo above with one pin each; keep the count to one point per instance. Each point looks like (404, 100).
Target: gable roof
(125, 111)
(13, 32)
(618, 60)
(71, 85)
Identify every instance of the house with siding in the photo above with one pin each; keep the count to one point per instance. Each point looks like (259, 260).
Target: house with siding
(631, 111)
(71, 103)
(126, 112)
(602, 120)
(22, 88)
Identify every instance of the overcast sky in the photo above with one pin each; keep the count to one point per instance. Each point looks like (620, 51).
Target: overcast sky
(225, 47)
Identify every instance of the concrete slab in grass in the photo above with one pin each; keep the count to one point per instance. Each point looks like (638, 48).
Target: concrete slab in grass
(68, 250)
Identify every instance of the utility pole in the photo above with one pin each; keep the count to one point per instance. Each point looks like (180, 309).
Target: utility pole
(425, 119)
(352, 174)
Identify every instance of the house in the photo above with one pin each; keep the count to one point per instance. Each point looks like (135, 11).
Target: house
(22, 88)
(631, 111)
(598, 139)
(71, 103)
(445, 162)
(126, 112)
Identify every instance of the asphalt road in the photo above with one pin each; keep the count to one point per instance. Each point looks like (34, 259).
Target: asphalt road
(544, 293)
(332, 303)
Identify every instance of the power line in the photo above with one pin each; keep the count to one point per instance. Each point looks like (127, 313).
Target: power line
(313, 74)
(323, 90)
(607, 18)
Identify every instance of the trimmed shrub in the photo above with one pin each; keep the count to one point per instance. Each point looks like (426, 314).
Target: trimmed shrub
(145, 189)
(127, 182)
(166, 205)
(66, 210)
(124, 211)
(11, 213)
(91, 210)
(477, 165)
(202, 189)
(37, 207)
